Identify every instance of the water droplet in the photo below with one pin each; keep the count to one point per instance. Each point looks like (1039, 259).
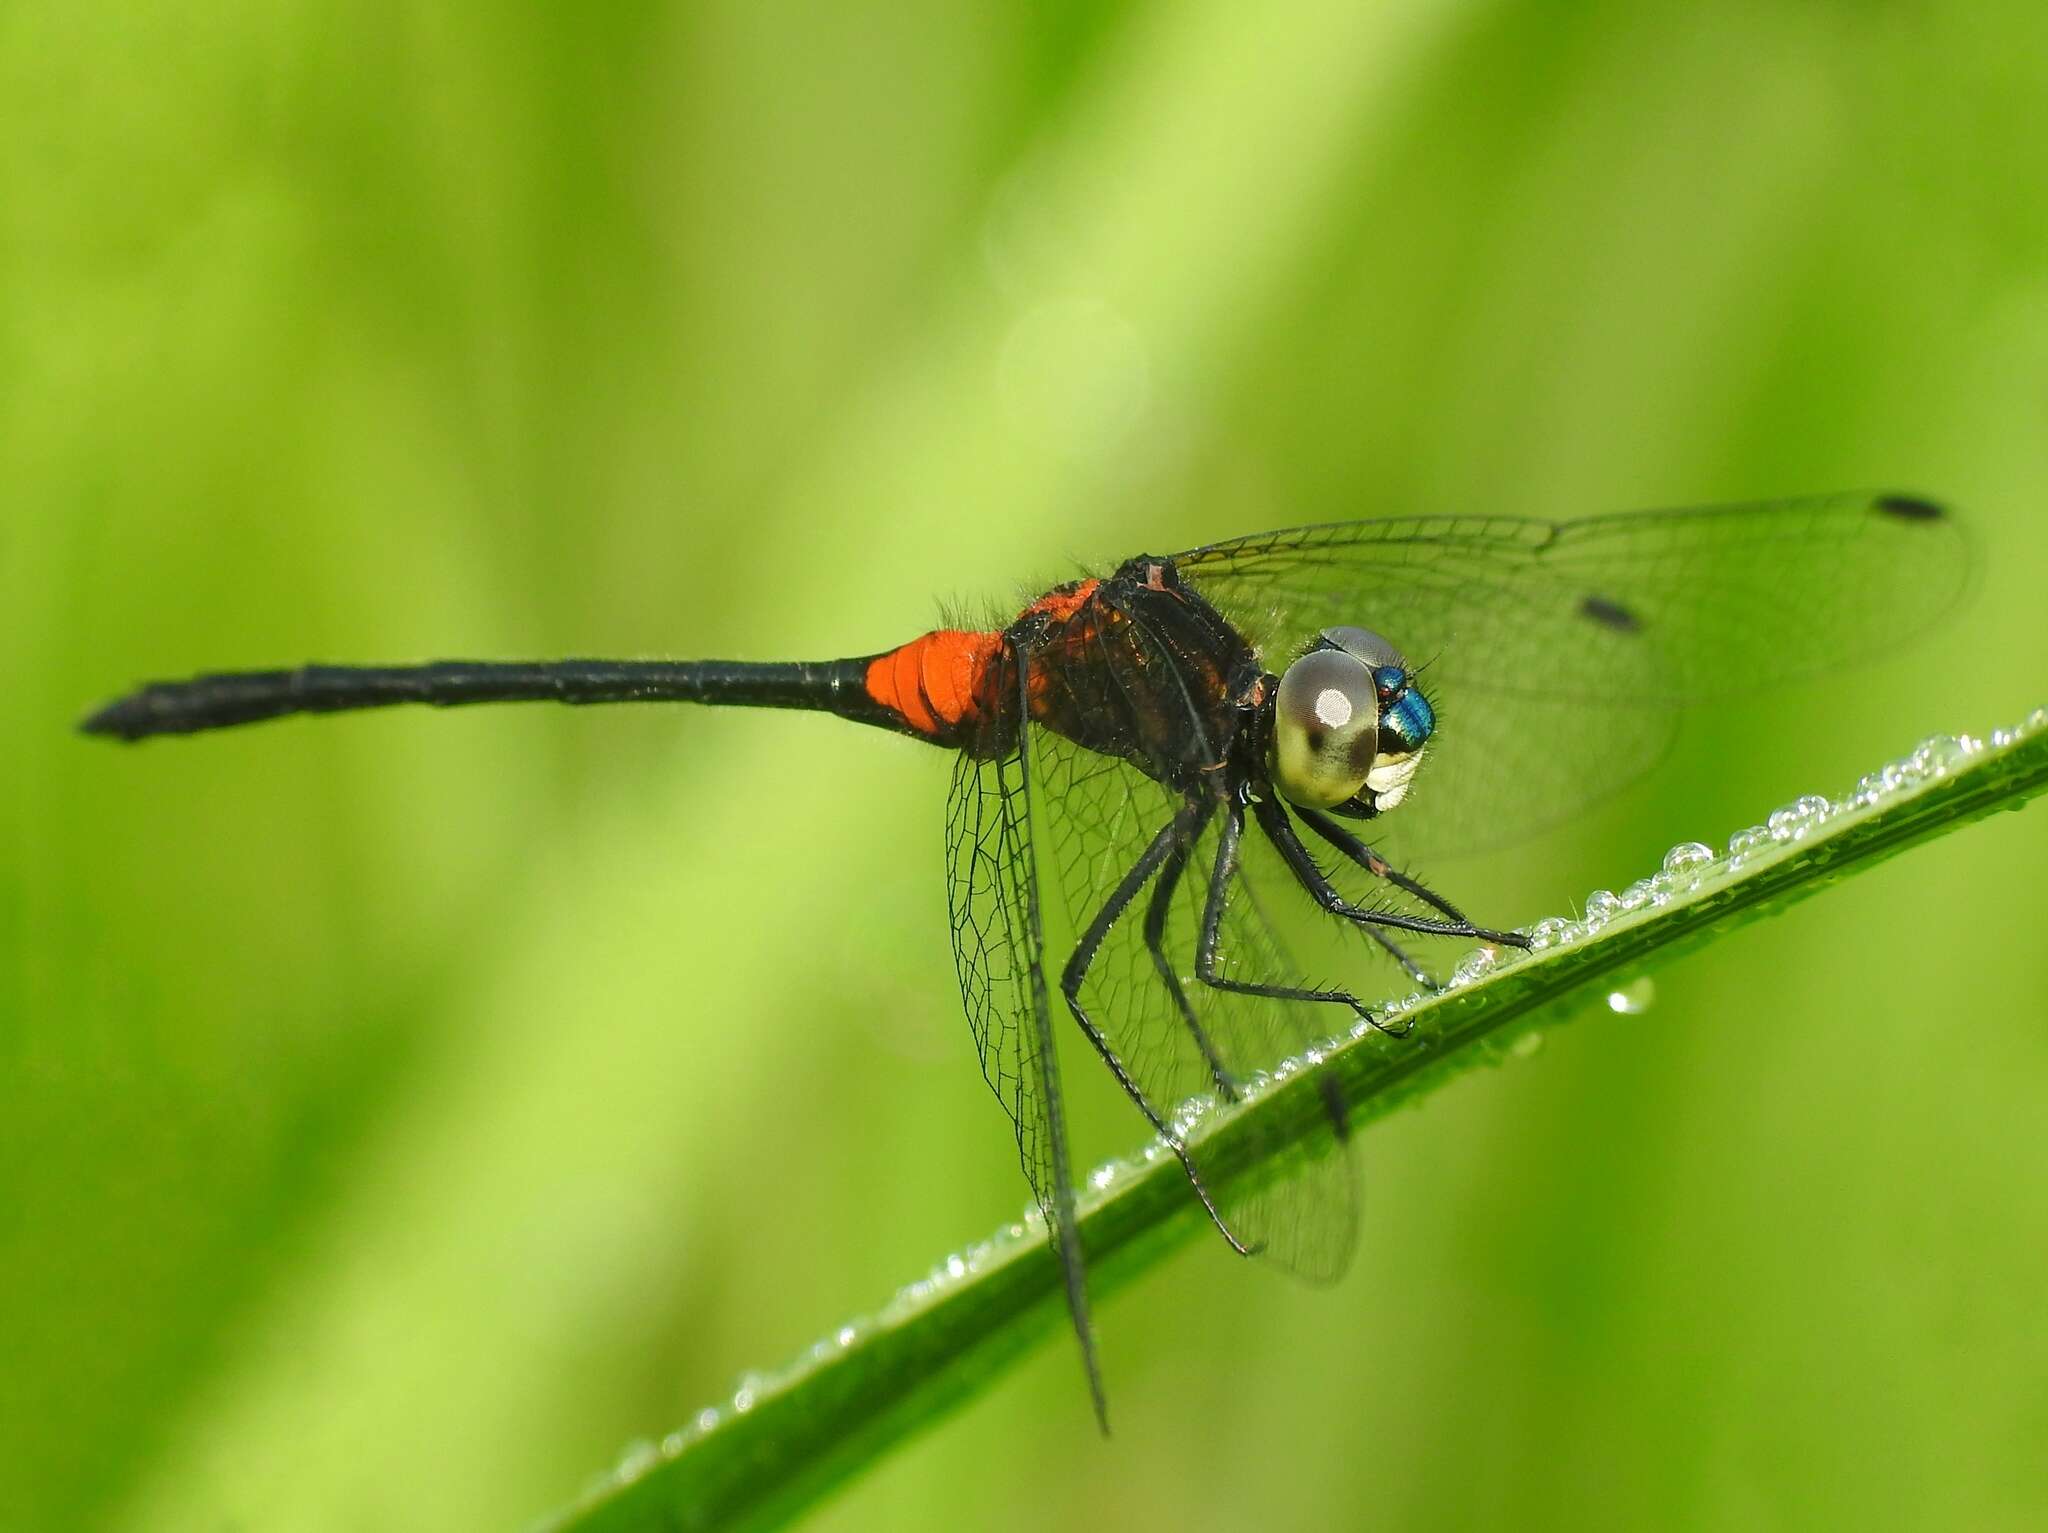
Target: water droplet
(1787, 825)
(956, 1267)
(1547, 932)
(674, 1443)
(1634, 998)
(635, 1459)
(846, 1336)
(751, 1385)
(706, 1420)
(2003, 738)
(1473, 965)
(1938, 755)
(2035, 721)
(1688, 857)
(1602, 906)
(1526, 1044)
(1745, 844)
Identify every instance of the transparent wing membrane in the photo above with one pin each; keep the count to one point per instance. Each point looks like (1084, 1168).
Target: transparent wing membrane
(992, 903)
(1170, 1029)
(1554, 650)
(1186, 950)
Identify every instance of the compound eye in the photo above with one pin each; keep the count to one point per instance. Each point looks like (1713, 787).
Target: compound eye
(1326, 724)
(1374, 649)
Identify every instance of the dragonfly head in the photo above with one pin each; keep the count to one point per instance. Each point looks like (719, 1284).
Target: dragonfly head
(1349, 724)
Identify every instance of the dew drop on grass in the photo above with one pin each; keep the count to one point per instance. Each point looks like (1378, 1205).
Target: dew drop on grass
(1473, 965)
(1745, 844)
(635, 1459)
(1638, 894)
(1938, 755)
(1688, 857)
(1787, 825)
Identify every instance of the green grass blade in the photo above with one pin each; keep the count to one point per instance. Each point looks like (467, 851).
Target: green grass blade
(781, 1443)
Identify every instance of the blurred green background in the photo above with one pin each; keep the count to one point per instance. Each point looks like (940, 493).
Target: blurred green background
(401, 1115)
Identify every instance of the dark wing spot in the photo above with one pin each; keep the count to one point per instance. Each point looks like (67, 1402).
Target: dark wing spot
(1909, 508)
(1609, 613)
(1334, 1108)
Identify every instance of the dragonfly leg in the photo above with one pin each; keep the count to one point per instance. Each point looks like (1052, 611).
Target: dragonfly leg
(1409, 965)
(1280, 831)
(1212, 927)
(1387, 944)
(1075, 975)
(1380, 868)
(1373, 862)
(1205, 964)
(1156, 913)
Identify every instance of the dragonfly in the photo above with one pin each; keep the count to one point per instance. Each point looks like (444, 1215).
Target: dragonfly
(1163, 769)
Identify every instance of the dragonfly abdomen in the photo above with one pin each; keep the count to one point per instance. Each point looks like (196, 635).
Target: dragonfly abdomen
(940, 686)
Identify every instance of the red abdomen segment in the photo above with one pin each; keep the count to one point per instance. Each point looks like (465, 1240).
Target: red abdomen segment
(937, 684)
(946, 685)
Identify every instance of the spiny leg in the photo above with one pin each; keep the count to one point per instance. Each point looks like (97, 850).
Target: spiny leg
(1409, 965)
(1220, 874)
(1280, 831)
(1370, 860)
(1156, 912)
(1379, 867)
(1076, 972)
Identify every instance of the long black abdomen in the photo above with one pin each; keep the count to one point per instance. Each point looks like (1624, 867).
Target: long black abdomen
(246, 697)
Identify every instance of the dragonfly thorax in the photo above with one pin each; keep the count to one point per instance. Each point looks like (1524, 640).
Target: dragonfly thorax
(1349, 725)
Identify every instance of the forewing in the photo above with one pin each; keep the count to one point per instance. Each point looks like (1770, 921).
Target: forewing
(1554, 651)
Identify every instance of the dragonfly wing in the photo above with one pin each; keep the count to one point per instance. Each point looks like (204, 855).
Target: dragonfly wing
(1304, 1222)
(1307, 1218)
(1547, 646)
(998, 950)
(1172, 1035)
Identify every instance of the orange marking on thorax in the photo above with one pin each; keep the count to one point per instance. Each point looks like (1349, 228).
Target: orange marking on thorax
(1063, 604)
(932, 682)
